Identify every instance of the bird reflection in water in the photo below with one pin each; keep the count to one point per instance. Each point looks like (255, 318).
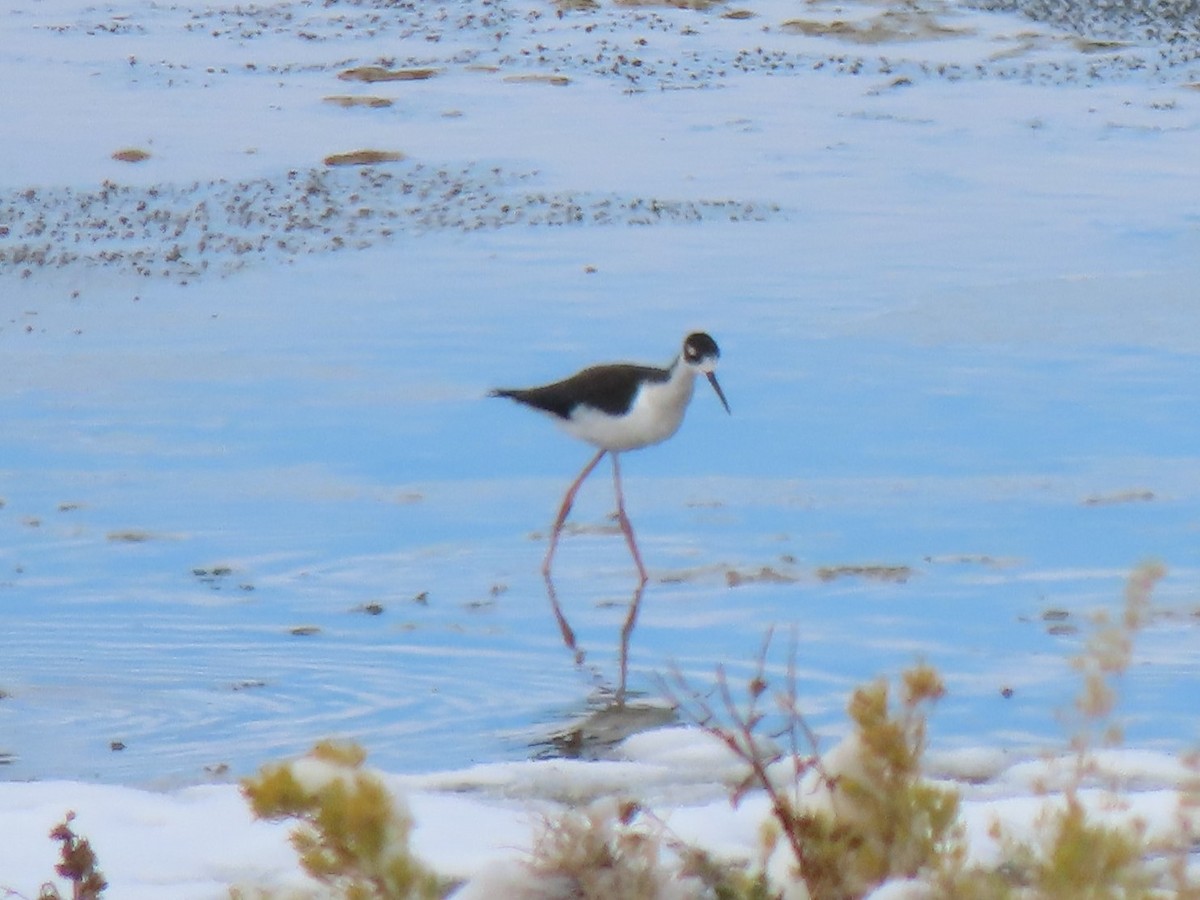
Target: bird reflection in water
(609, 718)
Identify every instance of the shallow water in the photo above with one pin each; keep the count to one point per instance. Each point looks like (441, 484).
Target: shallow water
(203, 470)
(952, 279)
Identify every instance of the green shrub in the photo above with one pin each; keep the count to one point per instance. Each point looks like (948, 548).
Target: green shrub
(857, 816)
(353, 834)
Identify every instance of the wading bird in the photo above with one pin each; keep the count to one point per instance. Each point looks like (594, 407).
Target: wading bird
(620, 407)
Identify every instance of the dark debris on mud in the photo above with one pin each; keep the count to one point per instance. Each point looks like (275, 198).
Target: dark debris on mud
(639, 47)
(183, 231)
(1176, 22)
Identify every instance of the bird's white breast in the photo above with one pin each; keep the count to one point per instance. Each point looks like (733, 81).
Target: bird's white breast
(656, 414)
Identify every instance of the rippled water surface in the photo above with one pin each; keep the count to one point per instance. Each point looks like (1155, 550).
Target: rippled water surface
(244, 515)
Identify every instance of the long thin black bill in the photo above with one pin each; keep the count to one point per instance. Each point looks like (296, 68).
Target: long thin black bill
(712, 379)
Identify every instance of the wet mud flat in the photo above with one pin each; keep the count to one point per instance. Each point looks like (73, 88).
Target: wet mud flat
(179, 233)
(179, 229)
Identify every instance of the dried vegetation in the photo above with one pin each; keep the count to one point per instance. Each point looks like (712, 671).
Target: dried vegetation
(131, 155)
(348, 101)
(363, 158)
(373, 74)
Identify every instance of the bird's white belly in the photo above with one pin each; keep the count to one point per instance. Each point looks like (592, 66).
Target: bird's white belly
(656, 414)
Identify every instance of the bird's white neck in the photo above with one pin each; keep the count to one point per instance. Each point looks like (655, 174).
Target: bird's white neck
(658, 410)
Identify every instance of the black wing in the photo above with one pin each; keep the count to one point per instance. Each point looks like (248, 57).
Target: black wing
(610, 389)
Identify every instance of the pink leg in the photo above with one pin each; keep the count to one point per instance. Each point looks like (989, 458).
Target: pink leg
(624, 521)
(626, 634)
(568, 633)
(563, 510)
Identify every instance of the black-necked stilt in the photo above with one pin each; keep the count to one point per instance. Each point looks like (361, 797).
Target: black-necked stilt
(621, 407)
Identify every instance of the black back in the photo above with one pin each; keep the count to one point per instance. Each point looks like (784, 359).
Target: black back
(610, 389)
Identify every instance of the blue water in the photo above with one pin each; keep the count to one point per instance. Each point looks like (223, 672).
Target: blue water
(201, 471)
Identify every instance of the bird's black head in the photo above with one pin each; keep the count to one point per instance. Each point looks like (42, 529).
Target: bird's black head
(699, 348)
(701, 353)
